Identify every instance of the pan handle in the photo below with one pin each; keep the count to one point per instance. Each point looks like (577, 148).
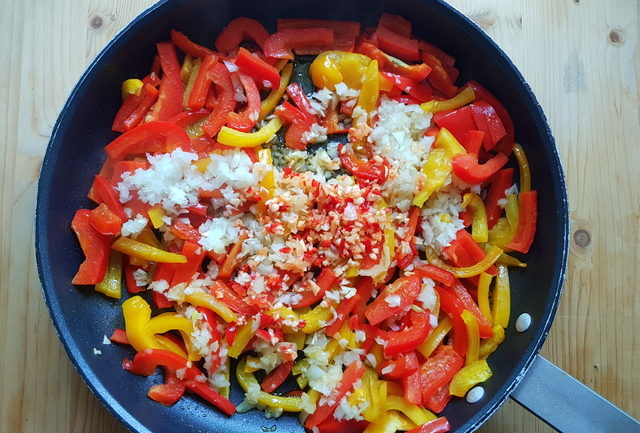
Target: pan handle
(566, 404)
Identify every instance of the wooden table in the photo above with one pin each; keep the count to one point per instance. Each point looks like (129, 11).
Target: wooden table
(581, 59)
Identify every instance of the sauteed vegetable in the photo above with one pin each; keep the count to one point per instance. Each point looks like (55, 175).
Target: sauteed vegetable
(324, 213)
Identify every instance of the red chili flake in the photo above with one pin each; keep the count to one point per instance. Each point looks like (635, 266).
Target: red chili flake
(285, 250)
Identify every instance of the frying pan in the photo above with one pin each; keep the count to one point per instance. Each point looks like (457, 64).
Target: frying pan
(75, 154)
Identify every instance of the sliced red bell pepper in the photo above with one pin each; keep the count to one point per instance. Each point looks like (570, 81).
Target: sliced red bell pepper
(437, 274)
(297, 95)
(458, 122)
(366, 170)
(446, 60)
(185, 231)
(169, 101)
(482, 94)
(95, 246)
(134, 108)
(129, 279)
(105, 193)
(467, 168)
(453, 307)
(406, 288)
(181, 41)
(279, 45)
(527, 222)
(488, 121)
(152, 137)
(239, 30)
(160, 300)
(405, 259)
(229, 264)
(353, 372)
(466, 302)
(405, 365)
(438, 425)
(473, 141)
(105, 221)
(396, 24)
(276, 377)
(364, 288)
(145, 363)
(224, 100)
(222, 292)
(257, 68)
(438, 400)
(188, 118)
(388, 63)
(397, 45)
(184, 272)
(119, 336)
(106, 171)
(170, 391)
(344, 33)
(325, 280)
(343, 310)
(500, 182)
(439, 78)
(294, 137)
(333, 425)
(464, 251)
(410, 337)
(435, 372)
(202, 83)
(164, 271)
(419, 91)
(246, 120)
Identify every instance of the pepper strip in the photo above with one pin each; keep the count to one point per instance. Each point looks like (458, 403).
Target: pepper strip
(166, 322)
(483, 295)
(232, 137)
(466, 96)
(389, 423)
(111, 285)
(240, 340)
(270, 102)
(479, 228)
(143, 251)
(473, 337)
(471, 271)
(502, 298)
(523, 168)
(414, 412)
(469, 376)
(488, 346)
(435, 337)
(208, 301)
(247, 380)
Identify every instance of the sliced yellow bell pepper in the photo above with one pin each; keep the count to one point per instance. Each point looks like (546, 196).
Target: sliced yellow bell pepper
(225, 390)
(111, 284)
(507, 260)
(501, 233)
(270, 102)
(512, 211)
(241, 340)
(247, 380)
(469, 376)
(137, 314)
(378, 353)
(370, 90)
(390, 422)
(143, 251)
(166, 322)
(437, 169)
(206, 300)
(394, 388)
(523, 167)
(332, 67)
(415, 413)
(132, 86)
(195, 68)
(471, 271)
(488, 346)
(479, 228)
(316, 319)
(501, 308)
(370, 384)
(483, 296)
(268, 182)
(435, 337)
(232, 137)
(185, 69)
(156, 214)
(466, 96)
(297, 338)
(473, 337)
(445, 140)
(202, 164)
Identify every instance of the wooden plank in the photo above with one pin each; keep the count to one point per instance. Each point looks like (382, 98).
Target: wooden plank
(581, 59)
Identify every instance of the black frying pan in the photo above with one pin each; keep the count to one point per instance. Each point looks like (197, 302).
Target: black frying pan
(75, 154)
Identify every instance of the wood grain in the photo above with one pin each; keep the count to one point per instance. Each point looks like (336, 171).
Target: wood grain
(580, 57)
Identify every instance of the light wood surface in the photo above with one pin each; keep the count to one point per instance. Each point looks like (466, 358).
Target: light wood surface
(580, 57)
